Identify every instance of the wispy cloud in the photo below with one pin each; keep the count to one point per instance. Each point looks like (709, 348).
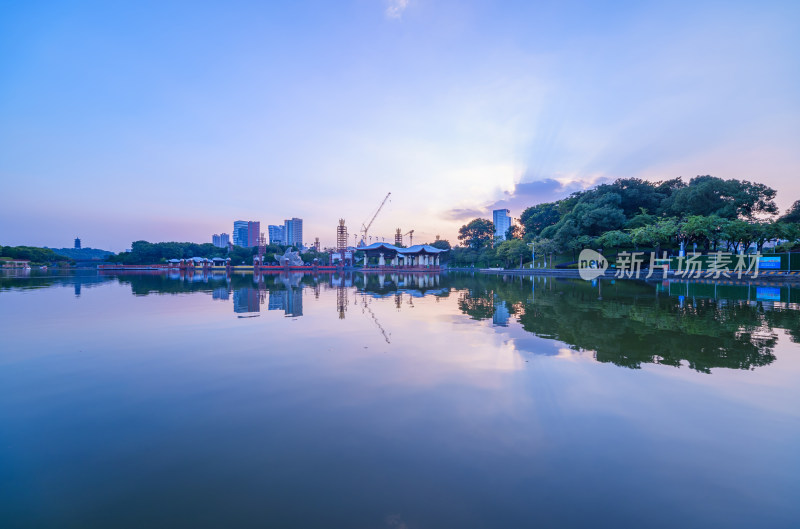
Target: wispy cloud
(395, 8)
(393, 521)
(463, 213)
(526, 194)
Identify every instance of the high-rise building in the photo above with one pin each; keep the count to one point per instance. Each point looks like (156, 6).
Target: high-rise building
(276, 234)
(77, 243)
(220, 240)
(253, 233)
(293, 231)
(240, 233)
(501, 223)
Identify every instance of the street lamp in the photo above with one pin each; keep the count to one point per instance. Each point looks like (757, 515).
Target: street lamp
(533, 254)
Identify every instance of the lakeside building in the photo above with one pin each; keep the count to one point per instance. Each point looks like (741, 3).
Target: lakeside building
(253, 233)
(246, 233)
(293, 232)
(502, 222)
(385, 256)
(240, 233)
(15, 263)
(220, 240)
(277, 234)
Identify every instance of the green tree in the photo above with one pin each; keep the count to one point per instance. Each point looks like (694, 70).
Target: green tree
(637, 195)
(739, 234)
(708, 195)
(792, 214)
(487, 257)
(615, 239)
(641, 219)
(477, 234)
(703, 230)
(34, 254)
(442, 244)
(655, 235)
(463, 257)
(513, 251)
(546, 247)
(538, 217)
(767, 231)
(515, 231)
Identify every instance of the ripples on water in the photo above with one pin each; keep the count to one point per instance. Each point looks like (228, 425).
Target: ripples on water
(396, 401)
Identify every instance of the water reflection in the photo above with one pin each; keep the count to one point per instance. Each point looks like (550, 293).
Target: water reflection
(627, 323)
(152, 398)
(630, 323)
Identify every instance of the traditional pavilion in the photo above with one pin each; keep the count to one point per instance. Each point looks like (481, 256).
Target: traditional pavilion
(417, 258)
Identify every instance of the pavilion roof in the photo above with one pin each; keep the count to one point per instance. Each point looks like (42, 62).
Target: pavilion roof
(417, 248)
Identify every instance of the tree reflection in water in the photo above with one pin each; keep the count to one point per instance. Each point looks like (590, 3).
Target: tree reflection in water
(630, 323)
(627, 323)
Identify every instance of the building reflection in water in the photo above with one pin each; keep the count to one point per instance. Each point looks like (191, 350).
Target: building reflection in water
(284, 292)
(221, 293)
(700, 324)
(501, 314)
(246, 300)
(290, 301)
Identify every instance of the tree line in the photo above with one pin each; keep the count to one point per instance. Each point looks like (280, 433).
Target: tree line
(631, 213)
(144, 252)
(37, 256)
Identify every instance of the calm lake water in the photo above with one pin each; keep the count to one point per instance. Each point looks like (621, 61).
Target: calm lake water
(144, 401)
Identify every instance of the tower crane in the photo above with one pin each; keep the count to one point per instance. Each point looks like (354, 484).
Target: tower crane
(366, 225)
(410, 238)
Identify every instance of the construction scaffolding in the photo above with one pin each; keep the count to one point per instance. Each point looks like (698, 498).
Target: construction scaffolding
(341, 237)
(342, 256)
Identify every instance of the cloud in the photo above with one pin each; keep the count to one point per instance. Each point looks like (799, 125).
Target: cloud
(395, 8)
(393, 521)
(463, 213)
(526, 194)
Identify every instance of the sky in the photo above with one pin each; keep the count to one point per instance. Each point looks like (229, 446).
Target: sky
(123, 121)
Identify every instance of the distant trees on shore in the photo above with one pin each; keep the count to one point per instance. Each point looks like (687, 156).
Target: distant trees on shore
(39, 256)
(144, 252)
(634, 213)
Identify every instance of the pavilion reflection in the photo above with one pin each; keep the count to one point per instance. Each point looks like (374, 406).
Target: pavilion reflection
(702, 324)
(416, 285)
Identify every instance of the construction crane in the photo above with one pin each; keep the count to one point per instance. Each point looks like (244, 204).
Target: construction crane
(410, 237)
(366, 226)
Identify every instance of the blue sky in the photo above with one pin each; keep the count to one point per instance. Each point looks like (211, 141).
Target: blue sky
(170, 120)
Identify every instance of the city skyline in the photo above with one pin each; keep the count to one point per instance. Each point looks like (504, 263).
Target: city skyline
(319, 110)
